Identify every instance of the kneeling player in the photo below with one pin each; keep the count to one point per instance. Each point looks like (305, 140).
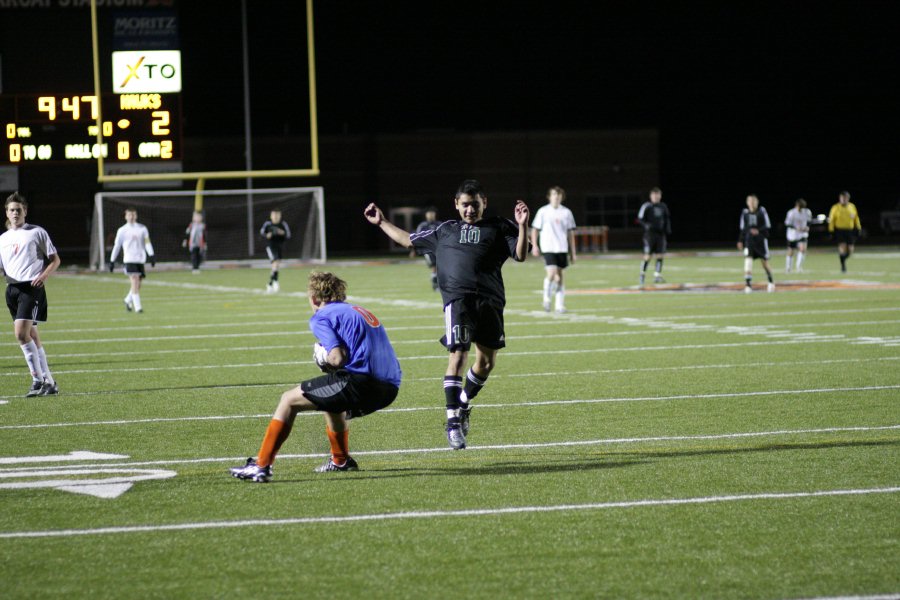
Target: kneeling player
(362, 376)
(755, 226)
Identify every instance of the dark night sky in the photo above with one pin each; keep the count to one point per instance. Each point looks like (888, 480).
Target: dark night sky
(784, 98)
(794, 98)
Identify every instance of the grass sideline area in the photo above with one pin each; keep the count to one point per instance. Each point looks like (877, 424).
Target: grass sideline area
(685, 441)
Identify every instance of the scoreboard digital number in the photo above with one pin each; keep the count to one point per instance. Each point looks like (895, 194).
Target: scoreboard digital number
(43, 128)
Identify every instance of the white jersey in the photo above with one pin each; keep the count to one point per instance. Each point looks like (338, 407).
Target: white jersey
(23, 252)
(797, 222)
(554, 225)
(133, 240)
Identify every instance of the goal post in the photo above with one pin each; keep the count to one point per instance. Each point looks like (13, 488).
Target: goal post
(233, 219)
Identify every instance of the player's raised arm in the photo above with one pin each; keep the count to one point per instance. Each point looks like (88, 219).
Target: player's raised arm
(522, 214)
(374, 216)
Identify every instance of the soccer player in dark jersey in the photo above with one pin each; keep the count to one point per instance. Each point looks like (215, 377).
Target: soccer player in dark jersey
(362, 376)
(755, 226)
(428, 224)
(469, 254)
(654, 217)
(276, 232)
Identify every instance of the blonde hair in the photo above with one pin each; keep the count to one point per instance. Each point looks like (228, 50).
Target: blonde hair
(327, 287)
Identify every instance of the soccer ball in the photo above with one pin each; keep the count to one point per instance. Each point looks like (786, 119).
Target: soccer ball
(320, 355)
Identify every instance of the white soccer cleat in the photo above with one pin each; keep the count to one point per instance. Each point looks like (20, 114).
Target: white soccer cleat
(770, 288)
(748, 290)
(270, 289)
(275, 286)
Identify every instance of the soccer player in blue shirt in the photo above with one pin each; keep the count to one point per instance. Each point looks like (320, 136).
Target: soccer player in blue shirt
(362, 376)
(469, 254)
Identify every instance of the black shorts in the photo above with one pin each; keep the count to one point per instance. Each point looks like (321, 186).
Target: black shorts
(26, 302)
(274, 252)
(654, 242)
(845, 236)
(556, 259)
(473, 319)
(352, 393)
(757, 247)
(135, 269)
(795, 243)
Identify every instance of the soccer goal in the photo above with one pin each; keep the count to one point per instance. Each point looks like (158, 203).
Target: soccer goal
(233, 219)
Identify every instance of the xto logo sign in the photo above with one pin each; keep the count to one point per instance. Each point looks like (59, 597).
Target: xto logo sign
(152, 71)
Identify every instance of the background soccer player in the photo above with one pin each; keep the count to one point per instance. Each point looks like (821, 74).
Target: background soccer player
(276, 232)
(195, 240)
(428, 224)
(654, 217)
(797, 224)
(754, 234)
(469, 253)
(553, 235)
(133, 239)
(28, 258)
(363, 376)
(844, 225)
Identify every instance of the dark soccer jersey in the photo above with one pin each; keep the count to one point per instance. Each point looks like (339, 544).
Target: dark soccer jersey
(655, 217)
(280, 232)
(469, 257)
(758, 220)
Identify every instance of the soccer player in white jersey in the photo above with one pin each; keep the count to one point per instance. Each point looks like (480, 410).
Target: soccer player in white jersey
(553, 235)
(133, 240)
(797, 223)
(28, 258)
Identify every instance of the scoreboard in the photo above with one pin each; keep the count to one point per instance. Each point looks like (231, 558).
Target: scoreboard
(62, 128)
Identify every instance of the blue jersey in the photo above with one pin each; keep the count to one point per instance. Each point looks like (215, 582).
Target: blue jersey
(369, 350)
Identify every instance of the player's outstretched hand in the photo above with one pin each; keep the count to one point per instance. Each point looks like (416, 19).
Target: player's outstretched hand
(522, 213)
(373, 214)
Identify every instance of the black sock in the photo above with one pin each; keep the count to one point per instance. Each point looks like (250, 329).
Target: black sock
(474, 383)
(273, 277)
(748, 279)
(844, 260)
(769, 275)
(452, 389)
(644, 265)
(659, 265)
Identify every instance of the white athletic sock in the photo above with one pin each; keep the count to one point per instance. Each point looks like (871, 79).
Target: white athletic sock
(560, 297)
(136, 298)
(128, 298)
(787, 262)
(44, 366)
(800, 257)
(546, 289)
(33, 360)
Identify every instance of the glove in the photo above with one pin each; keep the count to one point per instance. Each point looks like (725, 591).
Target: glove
(153, 260)
(112, 266)
(320, 355)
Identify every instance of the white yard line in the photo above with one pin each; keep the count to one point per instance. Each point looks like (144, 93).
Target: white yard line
(444, 514)
(479, 406)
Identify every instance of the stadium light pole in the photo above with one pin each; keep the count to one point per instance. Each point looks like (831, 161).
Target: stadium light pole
(248, 150)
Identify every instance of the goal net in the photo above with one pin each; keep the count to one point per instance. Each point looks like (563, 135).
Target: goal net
(233, 219)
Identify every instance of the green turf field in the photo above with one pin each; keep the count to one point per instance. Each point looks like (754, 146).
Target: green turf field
(656, 444)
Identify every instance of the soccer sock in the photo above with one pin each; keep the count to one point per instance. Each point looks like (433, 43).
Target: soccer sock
(474, 383)
(340, 445)
(800, 257)
(32, 360)
(136, 299)
(44, 366)
(658, 267)
(452, 390)
(560, 297)
(273, 277)
(748, 279)
(644, 264)
(276, 433)
(769, 275)
(844, 261)
(787, 262)
(128, 297)
(546, 289)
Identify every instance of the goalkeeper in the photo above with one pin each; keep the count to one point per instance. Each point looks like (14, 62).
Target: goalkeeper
(362, 376)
